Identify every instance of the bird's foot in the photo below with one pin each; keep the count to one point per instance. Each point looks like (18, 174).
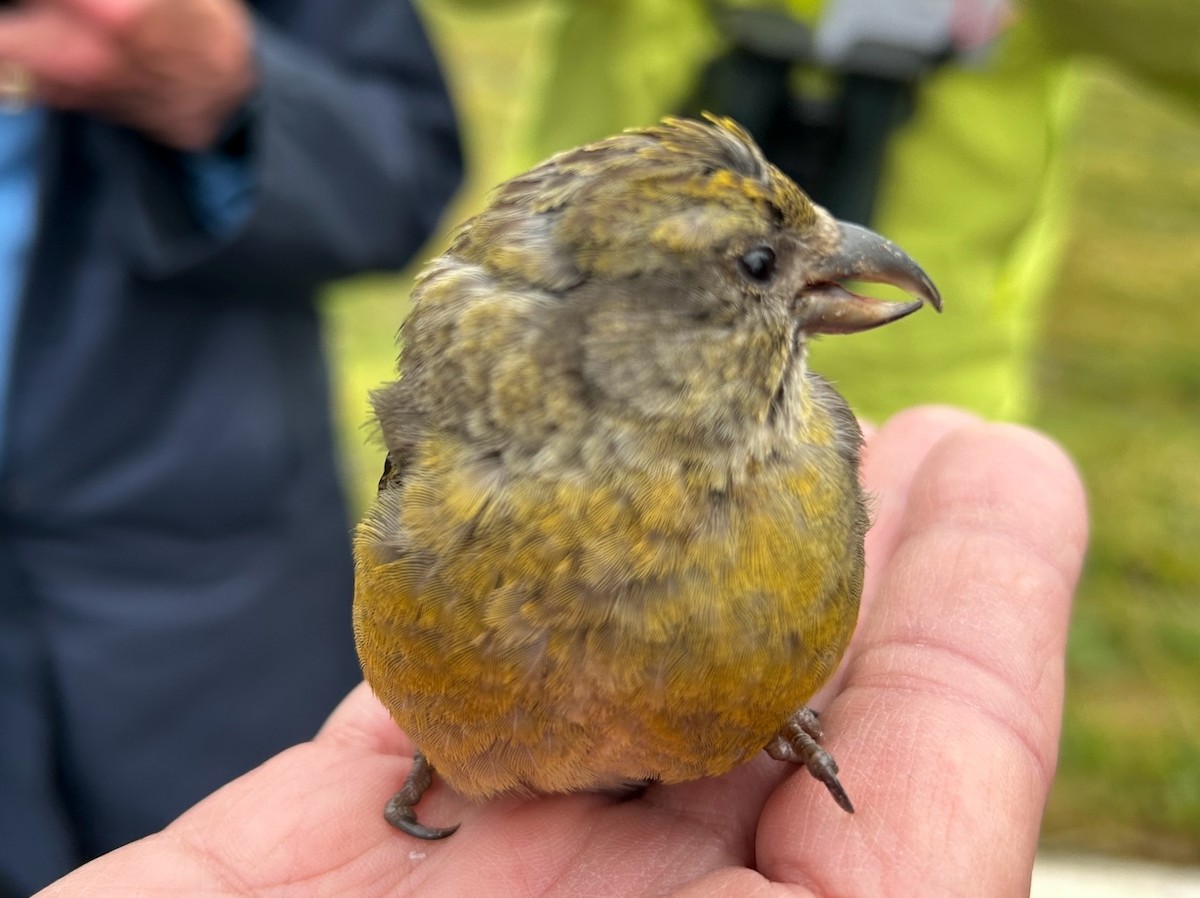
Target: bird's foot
(401, 810)
(798, 742)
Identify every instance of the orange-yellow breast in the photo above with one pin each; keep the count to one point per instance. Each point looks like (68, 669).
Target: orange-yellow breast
(556, 634)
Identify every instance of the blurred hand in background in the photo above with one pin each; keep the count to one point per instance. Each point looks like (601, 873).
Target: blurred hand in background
(173, 69)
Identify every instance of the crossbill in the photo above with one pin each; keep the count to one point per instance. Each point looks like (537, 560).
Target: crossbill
(619, 534)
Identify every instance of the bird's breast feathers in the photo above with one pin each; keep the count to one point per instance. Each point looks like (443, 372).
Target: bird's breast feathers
(482, 596)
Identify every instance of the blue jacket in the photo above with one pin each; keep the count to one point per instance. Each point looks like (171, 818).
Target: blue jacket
(175, 582)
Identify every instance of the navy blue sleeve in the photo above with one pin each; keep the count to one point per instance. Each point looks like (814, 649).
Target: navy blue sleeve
(351, 150)
(220, 189)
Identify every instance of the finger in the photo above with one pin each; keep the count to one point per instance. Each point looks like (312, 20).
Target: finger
(891, 458)
(112, 16)
(947, 727)
(20, 28)
(64, 57)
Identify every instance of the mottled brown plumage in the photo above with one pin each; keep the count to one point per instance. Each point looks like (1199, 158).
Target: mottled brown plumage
(620, 534)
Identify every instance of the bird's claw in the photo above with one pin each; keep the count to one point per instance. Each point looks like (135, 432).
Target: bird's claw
(798, 743)
(401, 811)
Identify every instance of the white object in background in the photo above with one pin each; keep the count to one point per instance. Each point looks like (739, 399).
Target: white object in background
(1080, 876)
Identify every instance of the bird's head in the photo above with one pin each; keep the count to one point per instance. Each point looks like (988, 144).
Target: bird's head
(668, 276)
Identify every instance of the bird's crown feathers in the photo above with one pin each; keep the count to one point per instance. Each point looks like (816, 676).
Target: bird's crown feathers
(673, 187)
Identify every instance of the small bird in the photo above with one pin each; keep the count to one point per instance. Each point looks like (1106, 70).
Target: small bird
(618, 539)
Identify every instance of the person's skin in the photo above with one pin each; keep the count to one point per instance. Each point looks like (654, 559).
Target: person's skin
(175, 70)
(944, 718)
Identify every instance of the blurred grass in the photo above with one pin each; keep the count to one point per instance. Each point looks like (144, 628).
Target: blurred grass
(1120, 376)
(1119, 385)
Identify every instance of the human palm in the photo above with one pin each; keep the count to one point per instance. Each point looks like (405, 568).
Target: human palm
(944, 717)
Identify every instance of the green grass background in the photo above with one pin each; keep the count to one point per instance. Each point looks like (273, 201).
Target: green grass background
(1118, 383)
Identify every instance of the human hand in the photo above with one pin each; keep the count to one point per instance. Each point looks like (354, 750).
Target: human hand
(173, 69)
(944, 717)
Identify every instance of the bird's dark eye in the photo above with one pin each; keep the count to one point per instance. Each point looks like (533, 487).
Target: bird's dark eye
(758, 264)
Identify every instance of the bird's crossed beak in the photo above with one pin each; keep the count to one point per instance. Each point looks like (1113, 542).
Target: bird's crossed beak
(862, 255)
